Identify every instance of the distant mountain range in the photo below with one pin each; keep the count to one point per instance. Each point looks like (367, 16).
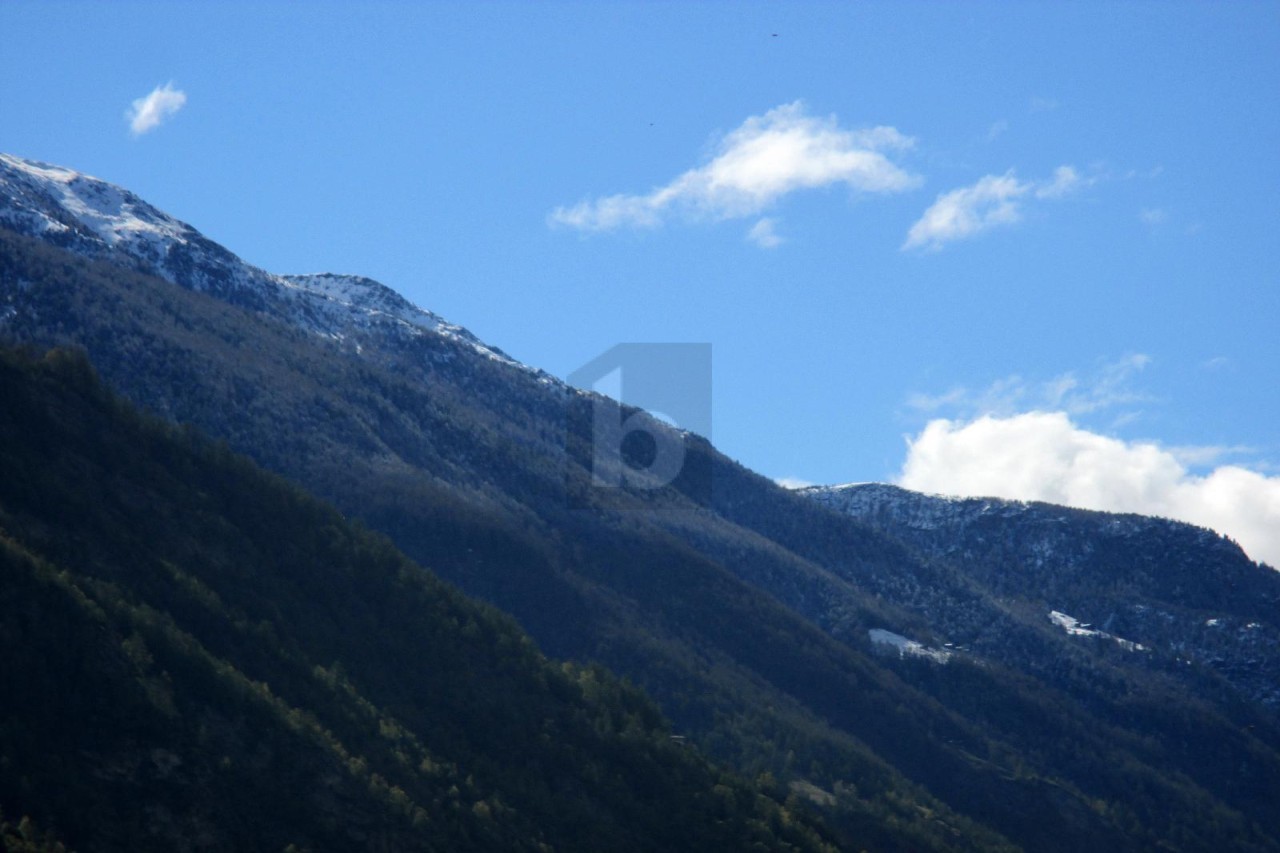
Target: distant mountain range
(924, 673)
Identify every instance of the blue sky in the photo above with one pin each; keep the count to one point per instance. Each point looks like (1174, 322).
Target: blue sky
(1020, 249)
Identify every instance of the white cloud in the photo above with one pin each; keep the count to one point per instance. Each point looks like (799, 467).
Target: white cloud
(1108, 386)
(1152, 216)
(766, 158)
(1200, 456)
(792, 483)
(964, 212)
(764, 234)
(993, 201)
(147, 113)
(1045, 456)
(930, 403)
(1065, 181)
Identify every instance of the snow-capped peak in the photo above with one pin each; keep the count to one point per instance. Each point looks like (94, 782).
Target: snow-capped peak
(98, 219)
(94, 207)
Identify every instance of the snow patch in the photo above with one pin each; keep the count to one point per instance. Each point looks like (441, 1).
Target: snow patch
(906, 647)
(1077, 629)
(112, 214)
(354, 302)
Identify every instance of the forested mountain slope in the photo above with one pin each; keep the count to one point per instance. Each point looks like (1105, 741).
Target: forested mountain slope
(761, 621)
(1185, 592)
(199, 656)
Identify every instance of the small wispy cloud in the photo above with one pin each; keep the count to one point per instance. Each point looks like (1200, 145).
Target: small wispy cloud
(149, 112)
(1065, 181)
(1199, 456)
(765, 159)
(793, 483)
(997, 130)
(995, 200)
(1109, 386)
(967, 211)
(929, 404)
(764, 234)
(1159, 220)
(1152, 216)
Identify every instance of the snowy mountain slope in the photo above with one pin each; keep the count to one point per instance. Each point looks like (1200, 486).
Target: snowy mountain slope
(94, 218)
(1156, 583)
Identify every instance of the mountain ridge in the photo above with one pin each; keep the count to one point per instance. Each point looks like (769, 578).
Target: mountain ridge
(859, 498)
(89, 215)
(749, 616)
(1065, 556)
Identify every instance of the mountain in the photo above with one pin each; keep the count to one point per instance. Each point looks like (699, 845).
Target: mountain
(778, 634)
(199, 656)
(1189, 594)
(96, 219)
